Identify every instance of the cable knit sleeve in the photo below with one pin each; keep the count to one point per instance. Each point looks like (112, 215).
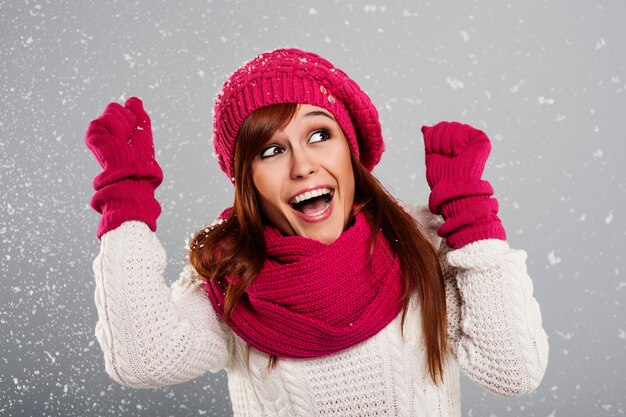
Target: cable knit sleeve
(494, 322)
(152, 334)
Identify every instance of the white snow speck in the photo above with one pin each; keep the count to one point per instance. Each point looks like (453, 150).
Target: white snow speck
(130, 60)
(609, 217)
(566, 336)
(553, 259)
(52, 358)
(598, 153)
(516, 87)
(544, 100)
(464, 35)
(601, 43)
(454, 83)
(312, 11)
(621, 334)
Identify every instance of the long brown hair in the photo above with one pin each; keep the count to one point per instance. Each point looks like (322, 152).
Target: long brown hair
(236, 247)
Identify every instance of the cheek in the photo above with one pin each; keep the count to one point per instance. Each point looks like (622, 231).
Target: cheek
(262, 182)
(350, 187)
(343, 165)
(267, 189)
(268, 197)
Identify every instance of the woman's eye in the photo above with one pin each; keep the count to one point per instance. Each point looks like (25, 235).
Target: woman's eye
(271, 150)
(319, 136)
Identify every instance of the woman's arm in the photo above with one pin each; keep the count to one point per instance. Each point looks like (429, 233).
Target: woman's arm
(494, 322)
(151, 334)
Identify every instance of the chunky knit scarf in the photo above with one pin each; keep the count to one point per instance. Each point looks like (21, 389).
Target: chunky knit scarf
(312, 299)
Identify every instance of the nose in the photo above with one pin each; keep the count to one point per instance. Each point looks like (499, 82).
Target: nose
(302, 165)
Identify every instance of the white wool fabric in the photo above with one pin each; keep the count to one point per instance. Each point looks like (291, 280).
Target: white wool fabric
(153, 334)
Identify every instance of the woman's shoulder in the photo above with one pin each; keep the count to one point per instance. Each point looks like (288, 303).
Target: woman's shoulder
(428, 222)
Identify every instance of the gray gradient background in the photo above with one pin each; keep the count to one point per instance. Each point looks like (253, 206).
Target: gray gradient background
(546, 81)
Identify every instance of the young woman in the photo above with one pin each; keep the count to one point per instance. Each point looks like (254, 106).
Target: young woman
(316, 291)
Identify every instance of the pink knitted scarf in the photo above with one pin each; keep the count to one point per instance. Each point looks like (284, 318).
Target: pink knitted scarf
(312, 299)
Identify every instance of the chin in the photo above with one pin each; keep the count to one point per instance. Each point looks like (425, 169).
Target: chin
(325, 239)
(326, 236)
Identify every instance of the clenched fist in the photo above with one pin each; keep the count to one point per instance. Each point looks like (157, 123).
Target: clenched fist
(455, 160)
(121, 141)
(454, 151)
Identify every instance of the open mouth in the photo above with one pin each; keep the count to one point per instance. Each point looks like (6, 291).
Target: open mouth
(313, 203)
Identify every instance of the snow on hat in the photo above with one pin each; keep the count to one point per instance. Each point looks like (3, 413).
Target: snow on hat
(295, 76)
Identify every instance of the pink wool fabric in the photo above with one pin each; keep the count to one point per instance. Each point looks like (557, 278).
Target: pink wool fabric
(295, 76)
(312, 299)
(121, 141)
(455, 160)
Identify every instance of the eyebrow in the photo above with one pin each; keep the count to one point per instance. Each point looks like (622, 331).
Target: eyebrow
(318, 113)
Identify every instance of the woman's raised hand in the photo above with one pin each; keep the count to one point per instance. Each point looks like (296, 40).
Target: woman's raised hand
(454, 151)
(455, 160)
(121, 141)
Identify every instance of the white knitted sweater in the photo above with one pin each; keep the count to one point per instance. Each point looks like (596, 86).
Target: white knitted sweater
(154, 335)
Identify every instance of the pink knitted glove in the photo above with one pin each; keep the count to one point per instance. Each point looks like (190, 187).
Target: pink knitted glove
(455, 161)
(121, 140)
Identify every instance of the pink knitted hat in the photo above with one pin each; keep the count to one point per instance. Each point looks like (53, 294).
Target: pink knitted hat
(295, 76)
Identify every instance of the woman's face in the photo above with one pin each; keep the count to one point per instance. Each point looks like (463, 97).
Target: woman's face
(304, 178)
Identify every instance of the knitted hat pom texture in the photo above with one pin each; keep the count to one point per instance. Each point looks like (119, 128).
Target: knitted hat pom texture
(295, 76)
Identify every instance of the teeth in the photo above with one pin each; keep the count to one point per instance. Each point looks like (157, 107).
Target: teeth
(309, 194)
